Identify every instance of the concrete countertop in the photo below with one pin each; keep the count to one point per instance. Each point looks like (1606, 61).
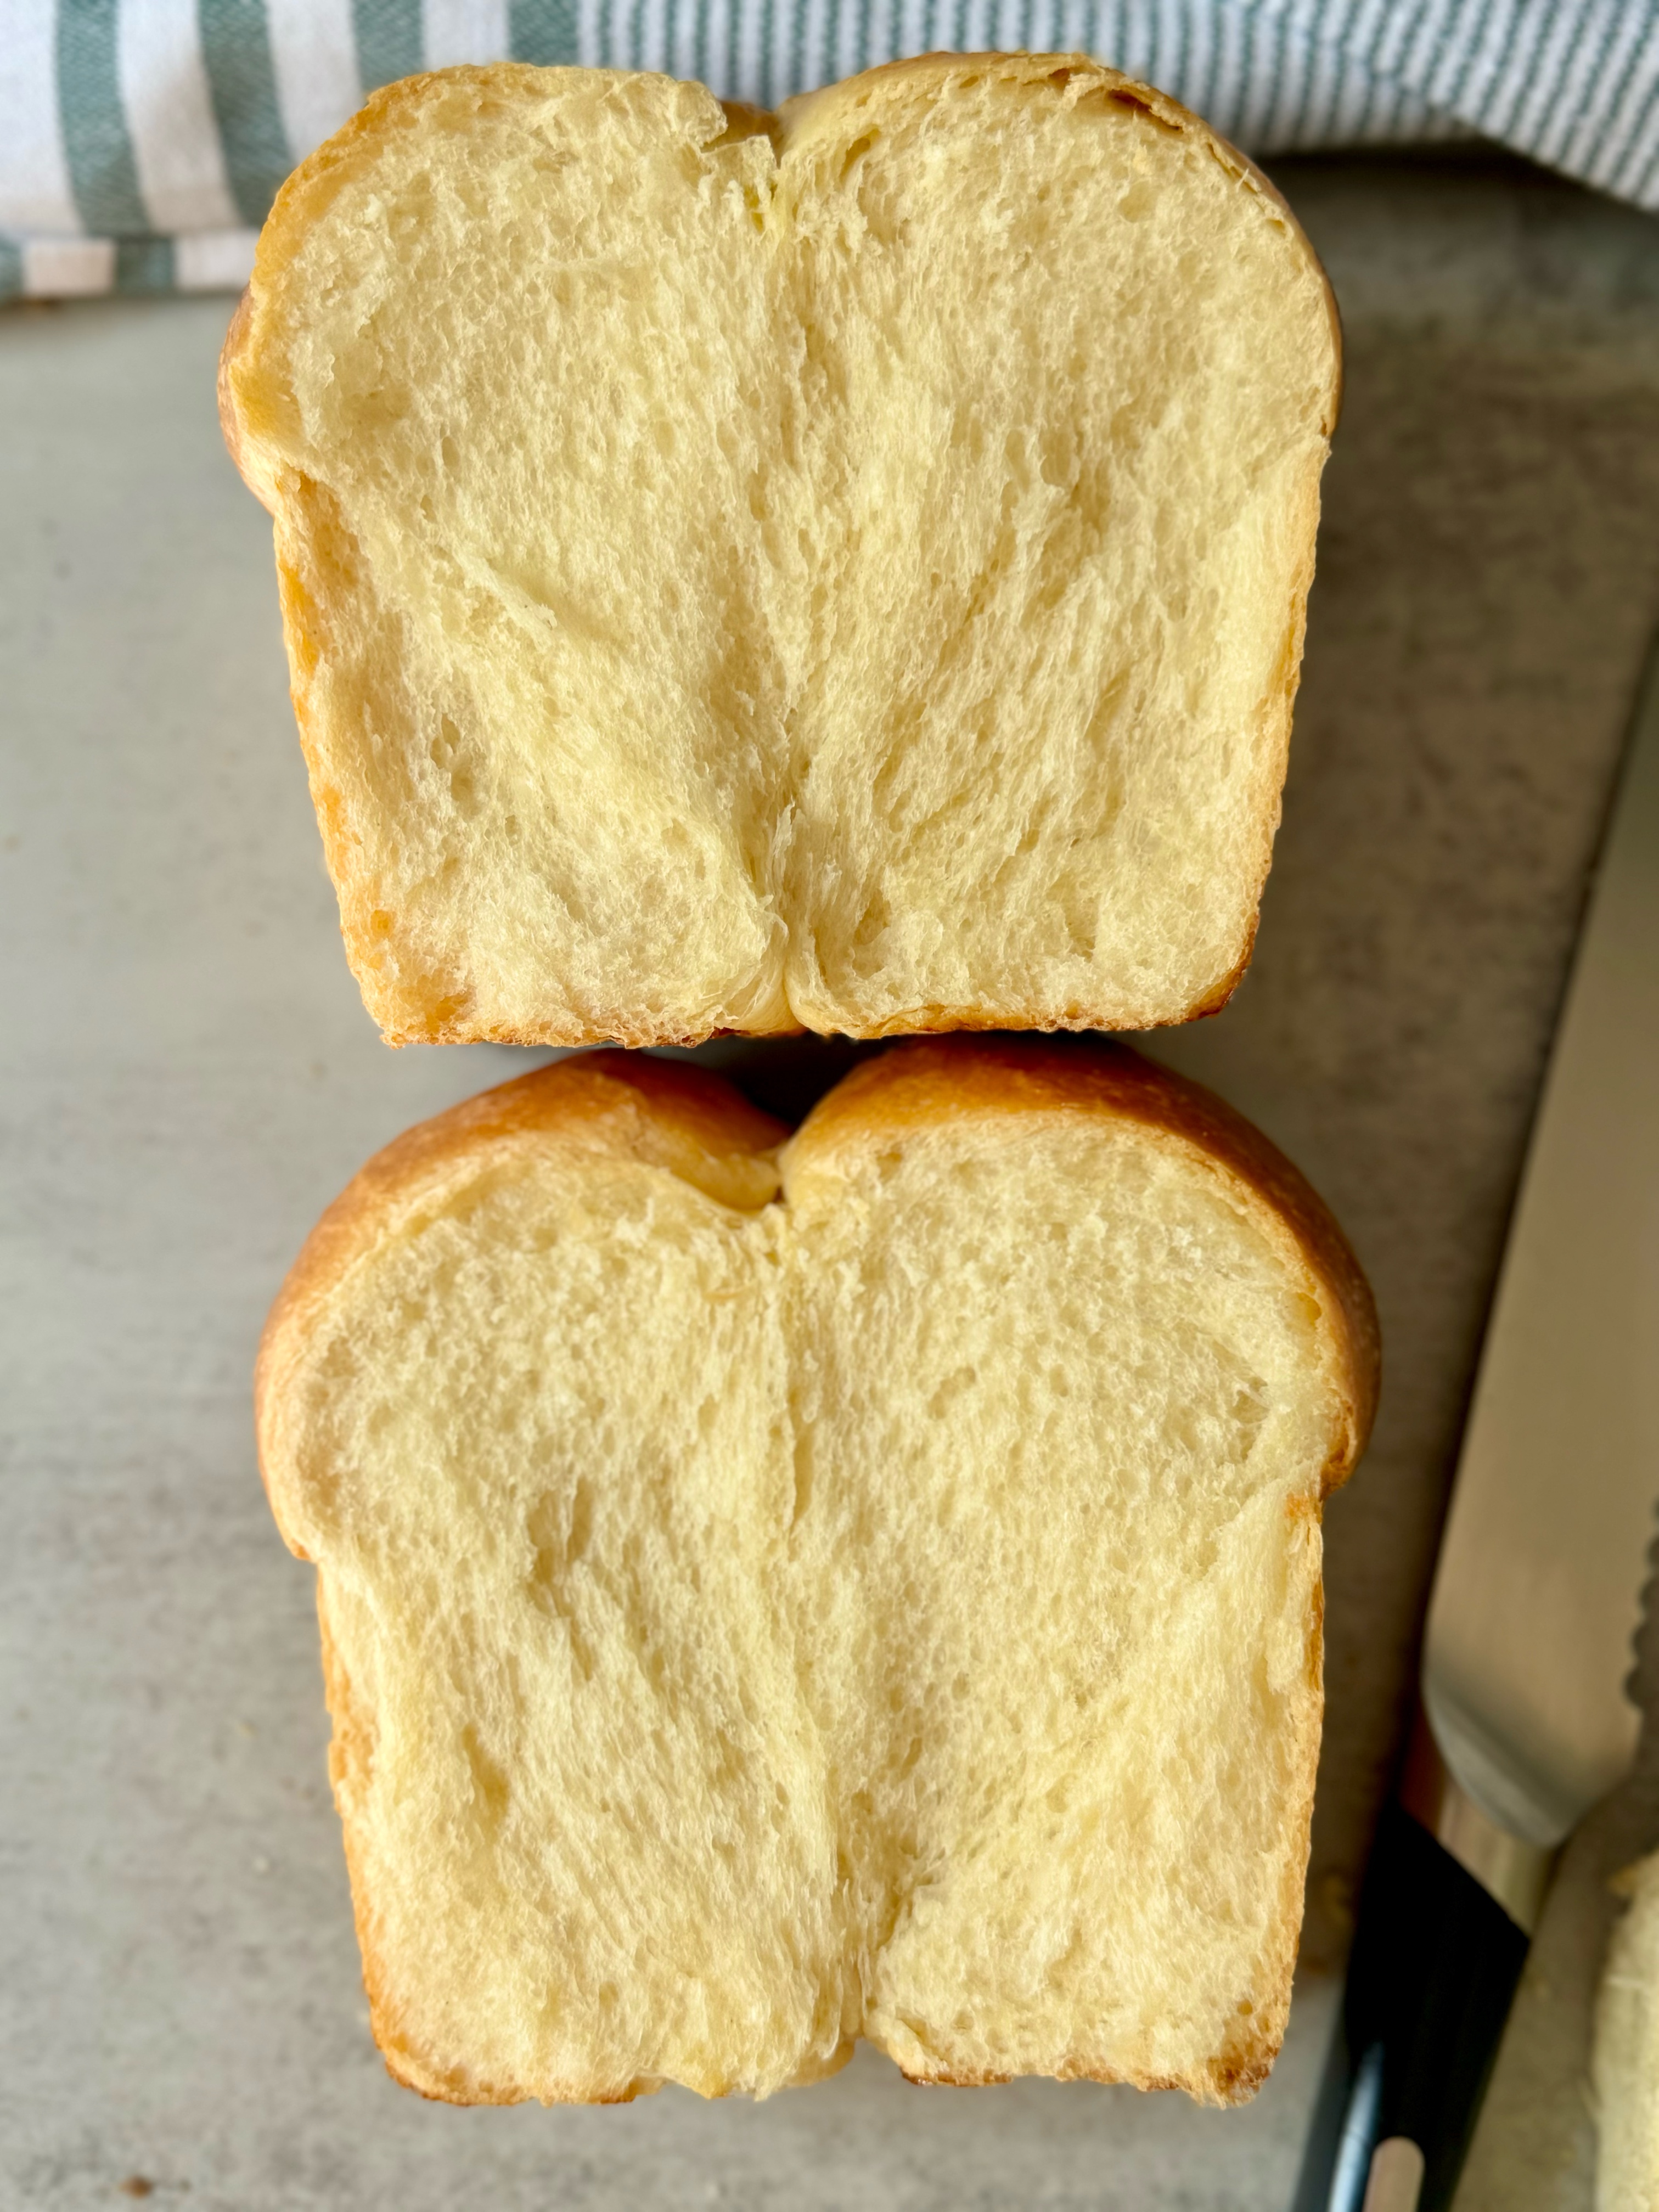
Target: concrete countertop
(189, 1076)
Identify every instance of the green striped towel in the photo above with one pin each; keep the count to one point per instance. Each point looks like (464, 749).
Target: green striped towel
(141, 141)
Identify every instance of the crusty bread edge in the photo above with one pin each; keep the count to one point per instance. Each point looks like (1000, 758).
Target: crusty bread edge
(450, 1021)
(620, 1106)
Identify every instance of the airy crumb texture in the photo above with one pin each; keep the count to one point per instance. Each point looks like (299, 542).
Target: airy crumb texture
(870, 1588)
(843, 570)
(1625, 2064)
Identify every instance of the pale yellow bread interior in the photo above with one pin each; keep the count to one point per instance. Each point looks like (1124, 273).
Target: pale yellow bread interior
(844, 570)
(866, 1590)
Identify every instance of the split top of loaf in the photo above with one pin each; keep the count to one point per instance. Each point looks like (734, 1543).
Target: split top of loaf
(870, 1588)
(844, 569)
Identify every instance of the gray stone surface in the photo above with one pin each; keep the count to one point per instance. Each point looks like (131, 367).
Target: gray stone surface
(1488, 583)
(188, 1076)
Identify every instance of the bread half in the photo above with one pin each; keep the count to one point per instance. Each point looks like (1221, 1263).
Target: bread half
(775, 1593)
(841, 570)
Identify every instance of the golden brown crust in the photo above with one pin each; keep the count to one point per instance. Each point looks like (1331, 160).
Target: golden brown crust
(445, 1015)
(1232, 2080)
(1224, 2084)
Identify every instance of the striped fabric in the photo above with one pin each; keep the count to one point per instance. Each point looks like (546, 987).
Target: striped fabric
(141, 141)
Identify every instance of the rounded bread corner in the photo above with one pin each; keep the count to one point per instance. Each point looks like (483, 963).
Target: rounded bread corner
(1076, 76)
(924, 1079)
(673, 1113)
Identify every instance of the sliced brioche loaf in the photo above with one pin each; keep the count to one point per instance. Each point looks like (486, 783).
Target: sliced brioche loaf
(843, 570)
(870, 1588)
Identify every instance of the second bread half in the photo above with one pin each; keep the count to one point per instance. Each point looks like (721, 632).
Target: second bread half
(870, 1589)
(841, 570)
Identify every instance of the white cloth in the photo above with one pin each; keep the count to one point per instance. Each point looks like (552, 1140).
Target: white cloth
(141, 141)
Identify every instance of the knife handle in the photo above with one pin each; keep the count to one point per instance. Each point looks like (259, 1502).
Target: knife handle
(1434, 1965)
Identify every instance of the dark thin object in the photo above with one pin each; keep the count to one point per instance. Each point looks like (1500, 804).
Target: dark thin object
(1433, 1969)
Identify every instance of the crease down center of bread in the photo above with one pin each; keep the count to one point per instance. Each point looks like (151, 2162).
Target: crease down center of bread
(844, 570)
(869, 1587)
